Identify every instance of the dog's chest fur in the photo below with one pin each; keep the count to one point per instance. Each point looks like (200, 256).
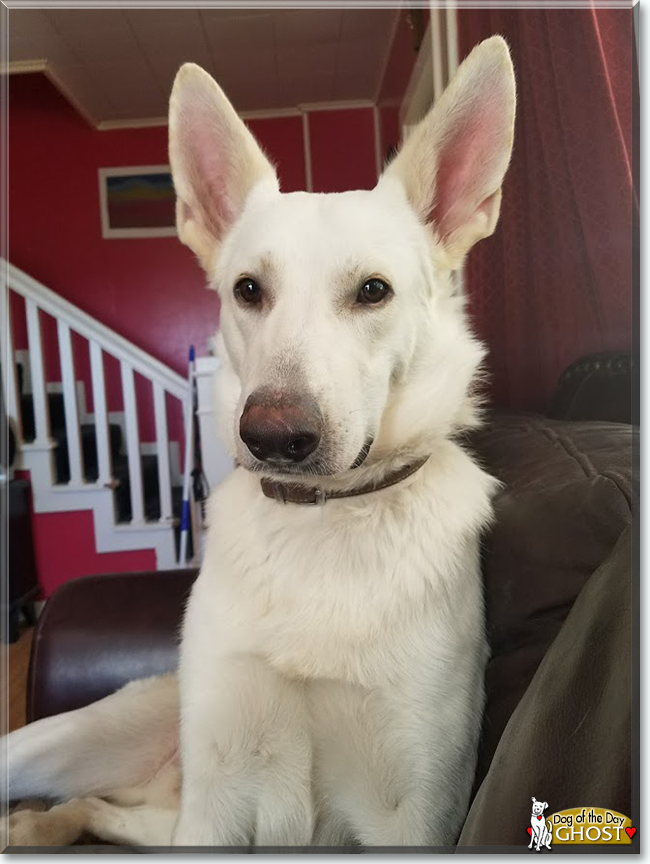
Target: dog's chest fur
(356, 589)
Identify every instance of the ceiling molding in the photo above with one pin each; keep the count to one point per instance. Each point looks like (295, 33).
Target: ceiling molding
(341, 105)
(136, 123)
(270, 113)
(23, 67)
(66, 92)
(26, 67)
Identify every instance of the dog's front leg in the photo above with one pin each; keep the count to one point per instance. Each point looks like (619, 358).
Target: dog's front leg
(246, 757)
(114, 743)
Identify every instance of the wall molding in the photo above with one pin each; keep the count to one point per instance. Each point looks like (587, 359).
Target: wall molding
(23, 67)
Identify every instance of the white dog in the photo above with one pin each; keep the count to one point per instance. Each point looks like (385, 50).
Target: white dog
(330, 686)
(540, 830)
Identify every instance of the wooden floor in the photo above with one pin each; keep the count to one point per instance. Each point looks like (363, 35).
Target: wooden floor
(16, 685)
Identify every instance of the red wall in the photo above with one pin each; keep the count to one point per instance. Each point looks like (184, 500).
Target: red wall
(342, 147)
(65, 549)
(149, 290)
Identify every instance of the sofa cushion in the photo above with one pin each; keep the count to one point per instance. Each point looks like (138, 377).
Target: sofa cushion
(567, 497)
(569, 739)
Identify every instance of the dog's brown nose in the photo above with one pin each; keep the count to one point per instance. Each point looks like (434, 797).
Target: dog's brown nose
(281, 432)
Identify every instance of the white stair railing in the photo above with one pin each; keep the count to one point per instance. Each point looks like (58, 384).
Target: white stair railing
(132, 442)
(70, 403)
(104, 470)
(164, 474)
(132, 360)
(8, 365)
(37, 369)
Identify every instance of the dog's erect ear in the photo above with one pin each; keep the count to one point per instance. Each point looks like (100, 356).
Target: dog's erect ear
(215, 161)
(453, 163)
(534, 800)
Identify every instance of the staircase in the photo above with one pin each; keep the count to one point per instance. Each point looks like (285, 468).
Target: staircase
(80, 461)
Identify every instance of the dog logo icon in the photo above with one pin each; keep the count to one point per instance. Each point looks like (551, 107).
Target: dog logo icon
(540, 829)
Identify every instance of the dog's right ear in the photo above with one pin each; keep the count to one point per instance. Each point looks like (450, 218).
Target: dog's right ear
(215, 162)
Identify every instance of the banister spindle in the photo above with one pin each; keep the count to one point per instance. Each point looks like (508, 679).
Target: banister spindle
(104, 470)
(70, 403)
(8, 360)
(41, 407)
(162, 444)
(132, 442)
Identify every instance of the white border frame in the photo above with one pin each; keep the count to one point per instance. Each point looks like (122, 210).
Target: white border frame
(109, 233)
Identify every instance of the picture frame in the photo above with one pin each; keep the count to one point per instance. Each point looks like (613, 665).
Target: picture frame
(137, 201)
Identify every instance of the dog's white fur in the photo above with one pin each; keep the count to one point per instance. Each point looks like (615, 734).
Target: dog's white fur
(330, 679)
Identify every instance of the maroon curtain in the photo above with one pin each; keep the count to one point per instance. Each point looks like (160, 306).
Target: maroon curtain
(555, 281)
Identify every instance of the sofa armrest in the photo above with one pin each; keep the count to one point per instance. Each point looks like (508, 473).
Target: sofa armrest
(99, 632)
(598, 387)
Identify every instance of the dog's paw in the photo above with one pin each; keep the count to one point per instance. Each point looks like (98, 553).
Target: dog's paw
(23, 828)
(59, 826)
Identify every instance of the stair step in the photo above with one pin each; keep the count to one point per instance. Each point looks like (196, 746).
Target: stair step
(119, 462)
(88, 448)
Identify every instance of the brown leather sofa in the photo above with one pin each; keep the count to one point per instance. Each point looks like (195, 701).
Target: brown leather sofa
(561, 720)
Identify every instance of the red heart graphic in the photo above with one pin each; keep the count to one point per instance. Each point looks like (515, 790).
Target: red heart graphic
(539, 818)
(630, 832)
(529, 829)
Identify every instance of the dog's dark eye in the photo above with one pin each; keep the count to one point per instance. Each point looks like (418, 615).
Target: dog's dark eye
(248, 291)
(373, 291)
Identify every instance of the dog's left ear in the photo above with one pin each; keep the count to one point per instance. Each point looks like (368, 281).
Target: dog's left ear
(215, 161)
(453, 163)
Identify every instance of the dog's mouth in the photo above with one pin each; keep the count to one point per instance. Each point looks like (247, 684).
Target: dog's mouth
(313, 467)
(279, 468)
(363, 454)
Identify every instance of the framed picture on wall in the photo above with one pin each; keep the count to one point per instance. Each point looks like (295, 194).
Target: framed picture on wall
(137, 202)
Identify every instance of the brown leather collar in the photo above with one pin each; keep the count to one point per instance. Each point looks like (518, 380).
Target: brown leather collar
(293, 493)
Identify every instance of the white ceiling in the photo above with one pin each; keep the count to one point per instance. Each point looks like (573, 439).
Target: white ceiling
(119, 64)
